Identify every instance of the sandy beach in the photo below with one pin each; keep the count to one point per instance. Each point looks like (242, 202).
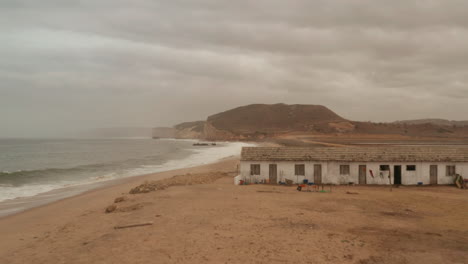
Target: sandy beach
(202, 217)
(37, 222)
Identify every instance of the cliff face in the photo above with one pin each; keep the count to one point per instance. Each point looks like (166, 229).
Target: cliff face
(190, 130)
(213, 133)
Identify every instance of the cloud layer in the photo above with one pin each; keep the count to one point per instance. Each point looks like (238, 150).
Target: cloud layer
(68, 66)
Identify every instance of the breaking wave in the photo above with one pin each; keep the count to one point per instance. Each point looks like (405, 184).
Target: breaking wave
(25, 183)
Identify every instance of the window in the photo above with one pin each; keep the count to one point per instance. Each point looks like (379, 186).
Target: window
(410, 167)
(384, 167)
(299, 169)
(450, 170)
(254, 169)
(344, 169)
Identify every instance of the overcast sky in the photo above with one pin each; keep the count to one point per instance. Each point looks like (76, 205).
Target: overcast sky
(74, 65)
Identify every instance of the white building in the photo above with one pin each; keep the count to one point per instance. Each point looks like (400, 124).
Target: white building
(359, 165)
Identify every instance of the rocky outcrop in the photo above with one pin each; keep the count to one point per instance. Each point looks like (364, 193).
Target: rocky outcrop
(342, 127)
(190, 130)
(187, 179)
(212, 133)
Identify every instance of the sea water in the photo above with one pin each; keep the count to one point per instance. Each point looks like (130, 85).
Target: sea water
(29, 167)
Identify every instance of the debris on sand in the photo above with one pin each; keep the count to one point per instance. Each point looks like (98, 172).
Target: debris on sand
(111, 208)
(188, 179)
(151, 186)
(352, 193)
(148, 187)
(133, 225)
(120, 199)
(130, 208)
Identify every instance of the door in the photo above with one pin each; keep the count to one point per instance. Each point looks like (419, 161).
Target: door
(433, 174)
(273, 174)
(362, 174)
(397, 174)
(317, 174)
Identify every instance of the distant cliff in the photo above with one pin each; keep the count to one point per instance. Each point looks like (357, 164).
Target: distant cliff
(190, 130)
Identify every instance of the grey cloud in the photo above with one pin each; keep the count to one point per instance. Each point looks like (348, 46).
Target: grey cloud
(88, 63)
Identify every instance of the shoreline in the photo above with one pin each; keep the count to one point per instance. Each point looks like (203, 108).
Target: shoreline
(26, 226)
(204, 218)
(198, 157)
(9, 208)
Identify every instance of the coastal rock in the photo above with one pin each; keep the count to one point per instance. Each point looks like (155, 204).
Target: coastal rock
(187, 179)
(111, 208)
(120, 199)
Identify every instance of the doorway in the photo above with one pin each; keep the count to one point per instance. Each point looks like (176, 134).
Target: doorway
(273, 174)
(317, 174)
(433, 174)
(397, 174)
(362, 174)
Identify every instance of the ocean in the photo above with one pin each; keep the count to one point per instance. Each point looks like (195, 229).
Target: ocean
(30, 167)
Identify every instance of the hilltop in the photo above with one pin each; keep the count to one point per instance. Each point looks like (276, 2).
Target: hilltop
(261, 121)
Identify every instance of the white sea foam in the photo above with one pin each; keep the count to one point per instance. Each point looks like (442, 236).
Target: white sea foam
(201, 156)
(9, 192)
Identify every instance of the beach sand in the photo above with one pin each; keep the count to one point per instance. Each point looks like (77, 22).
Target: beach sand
(218, 222)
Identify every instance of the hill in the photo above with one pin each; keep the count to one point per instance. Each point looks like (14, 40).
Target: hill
(261, 121)
(280, 121)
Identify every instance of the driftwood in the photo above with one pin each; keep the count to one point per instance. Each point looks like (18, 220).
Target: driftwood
(133, 225)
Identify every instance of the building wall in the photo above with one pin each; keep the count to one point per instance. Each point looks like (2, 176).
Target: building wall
(331, 172)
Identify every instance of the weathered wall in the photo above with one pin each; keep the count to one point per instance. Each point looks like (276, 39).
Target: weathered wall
(331, 172)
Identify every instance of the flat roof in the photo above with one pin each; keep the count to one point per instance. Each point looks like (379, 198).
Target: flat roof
(357, 154)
